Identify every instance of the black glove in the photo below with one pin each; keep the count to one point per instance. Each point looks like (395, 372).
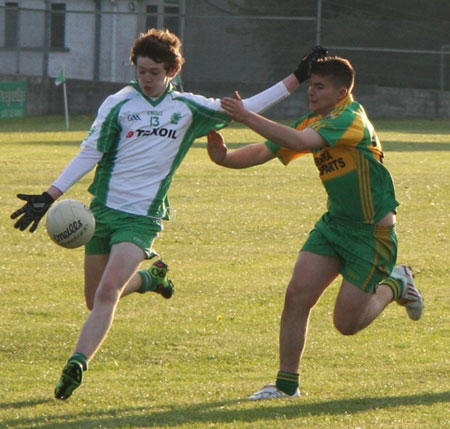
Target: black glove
(303, 71)
(33, 210)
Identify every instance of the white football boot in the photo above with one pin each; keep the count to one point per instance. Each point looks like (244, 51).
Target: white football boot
(411, 298)
(270, 391)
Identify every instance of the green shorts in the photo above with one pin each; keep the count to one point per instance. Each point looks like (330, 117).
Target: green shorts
(367, 252)
(114, 226)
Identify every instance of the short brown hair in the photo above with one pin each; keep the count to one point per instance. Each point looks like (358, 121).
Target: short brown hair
(161, 46)
(339, 70)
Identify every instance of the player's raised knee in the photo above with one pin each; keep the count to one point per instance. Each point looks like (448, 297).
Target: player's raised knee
(345, 326)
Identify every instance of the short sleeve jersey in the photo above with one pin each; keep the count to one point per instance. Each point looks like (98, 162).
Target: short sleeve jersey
(358, 185)
(143, 142)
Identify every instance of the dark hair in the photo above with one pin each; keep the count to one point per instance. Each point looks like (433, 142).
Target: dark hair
(339, 70)
(161, 46)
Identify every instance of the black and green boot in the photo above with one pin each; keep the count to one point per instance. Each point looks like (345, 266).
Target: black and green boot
(71, 378)
(155, 280)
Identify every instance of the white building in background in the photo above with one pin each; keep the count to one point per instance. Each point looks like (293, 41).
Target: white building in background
(90, 38)
(227, 44)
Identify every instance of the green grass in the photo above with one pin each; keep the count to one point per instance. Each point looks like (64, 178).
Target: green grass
(189, 362)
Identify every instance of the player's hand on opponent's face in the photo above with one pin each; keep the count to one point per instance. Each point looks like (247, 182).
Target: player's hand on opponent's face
(217, 149)
(33, 211)
(303, 71)
(234, 107)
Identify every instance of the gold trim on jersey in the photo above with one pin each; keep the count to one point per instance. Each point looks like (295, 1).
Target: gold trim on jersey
(365, 187)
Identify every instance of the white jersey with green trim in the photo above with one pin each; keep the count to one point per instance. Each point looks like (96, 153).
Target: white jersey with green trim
(143, 141)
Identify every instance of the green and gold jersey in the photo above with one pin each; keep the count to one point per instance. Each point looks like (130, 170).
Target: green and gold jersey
(359, 186)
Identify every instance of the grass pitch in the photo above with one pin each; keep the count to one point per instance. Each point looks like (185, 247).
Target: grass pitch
(190, 362)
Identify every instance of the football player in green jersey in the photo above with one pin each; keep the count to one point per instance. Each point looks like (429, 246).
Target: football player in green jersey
(355, 238)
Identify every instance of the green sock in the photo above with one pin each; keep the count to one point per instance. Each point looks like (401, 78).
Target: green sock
(81, 358)
(147, 282)
(395, 285)
(287, 382)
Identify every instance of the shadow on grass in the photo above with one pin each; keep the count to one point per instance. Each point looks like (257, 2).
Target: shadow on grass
(220, 412)
(24, 404)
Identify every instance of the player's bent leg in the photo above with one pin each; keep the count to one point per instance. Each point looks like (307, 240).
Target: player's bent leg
(355, 309)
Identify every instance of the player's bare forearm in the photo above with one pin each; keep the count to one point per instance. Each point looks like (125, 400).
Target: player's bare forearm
(291, 83)
(248, 156)
(282, 135)
(217, 149)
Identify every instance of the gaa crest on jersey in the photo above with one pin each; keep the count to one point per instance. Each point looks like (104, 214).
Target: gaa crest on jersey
(134, 117)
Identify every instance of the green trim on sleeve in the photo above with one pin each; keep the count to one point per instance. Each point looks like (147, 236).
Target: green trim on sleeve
(205, 118)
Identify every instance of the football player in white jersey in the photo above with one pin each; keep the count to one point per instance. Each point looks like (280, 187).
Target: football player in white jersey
(138, 139)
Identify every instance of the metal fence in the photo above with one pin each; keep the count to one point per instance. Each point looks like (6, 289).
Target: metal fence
(231, 45)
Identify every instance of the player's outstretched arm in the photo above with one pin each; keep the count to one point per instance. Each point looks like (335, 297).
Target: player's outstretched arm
(291, 138)
(247, 156)
(37, 205)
